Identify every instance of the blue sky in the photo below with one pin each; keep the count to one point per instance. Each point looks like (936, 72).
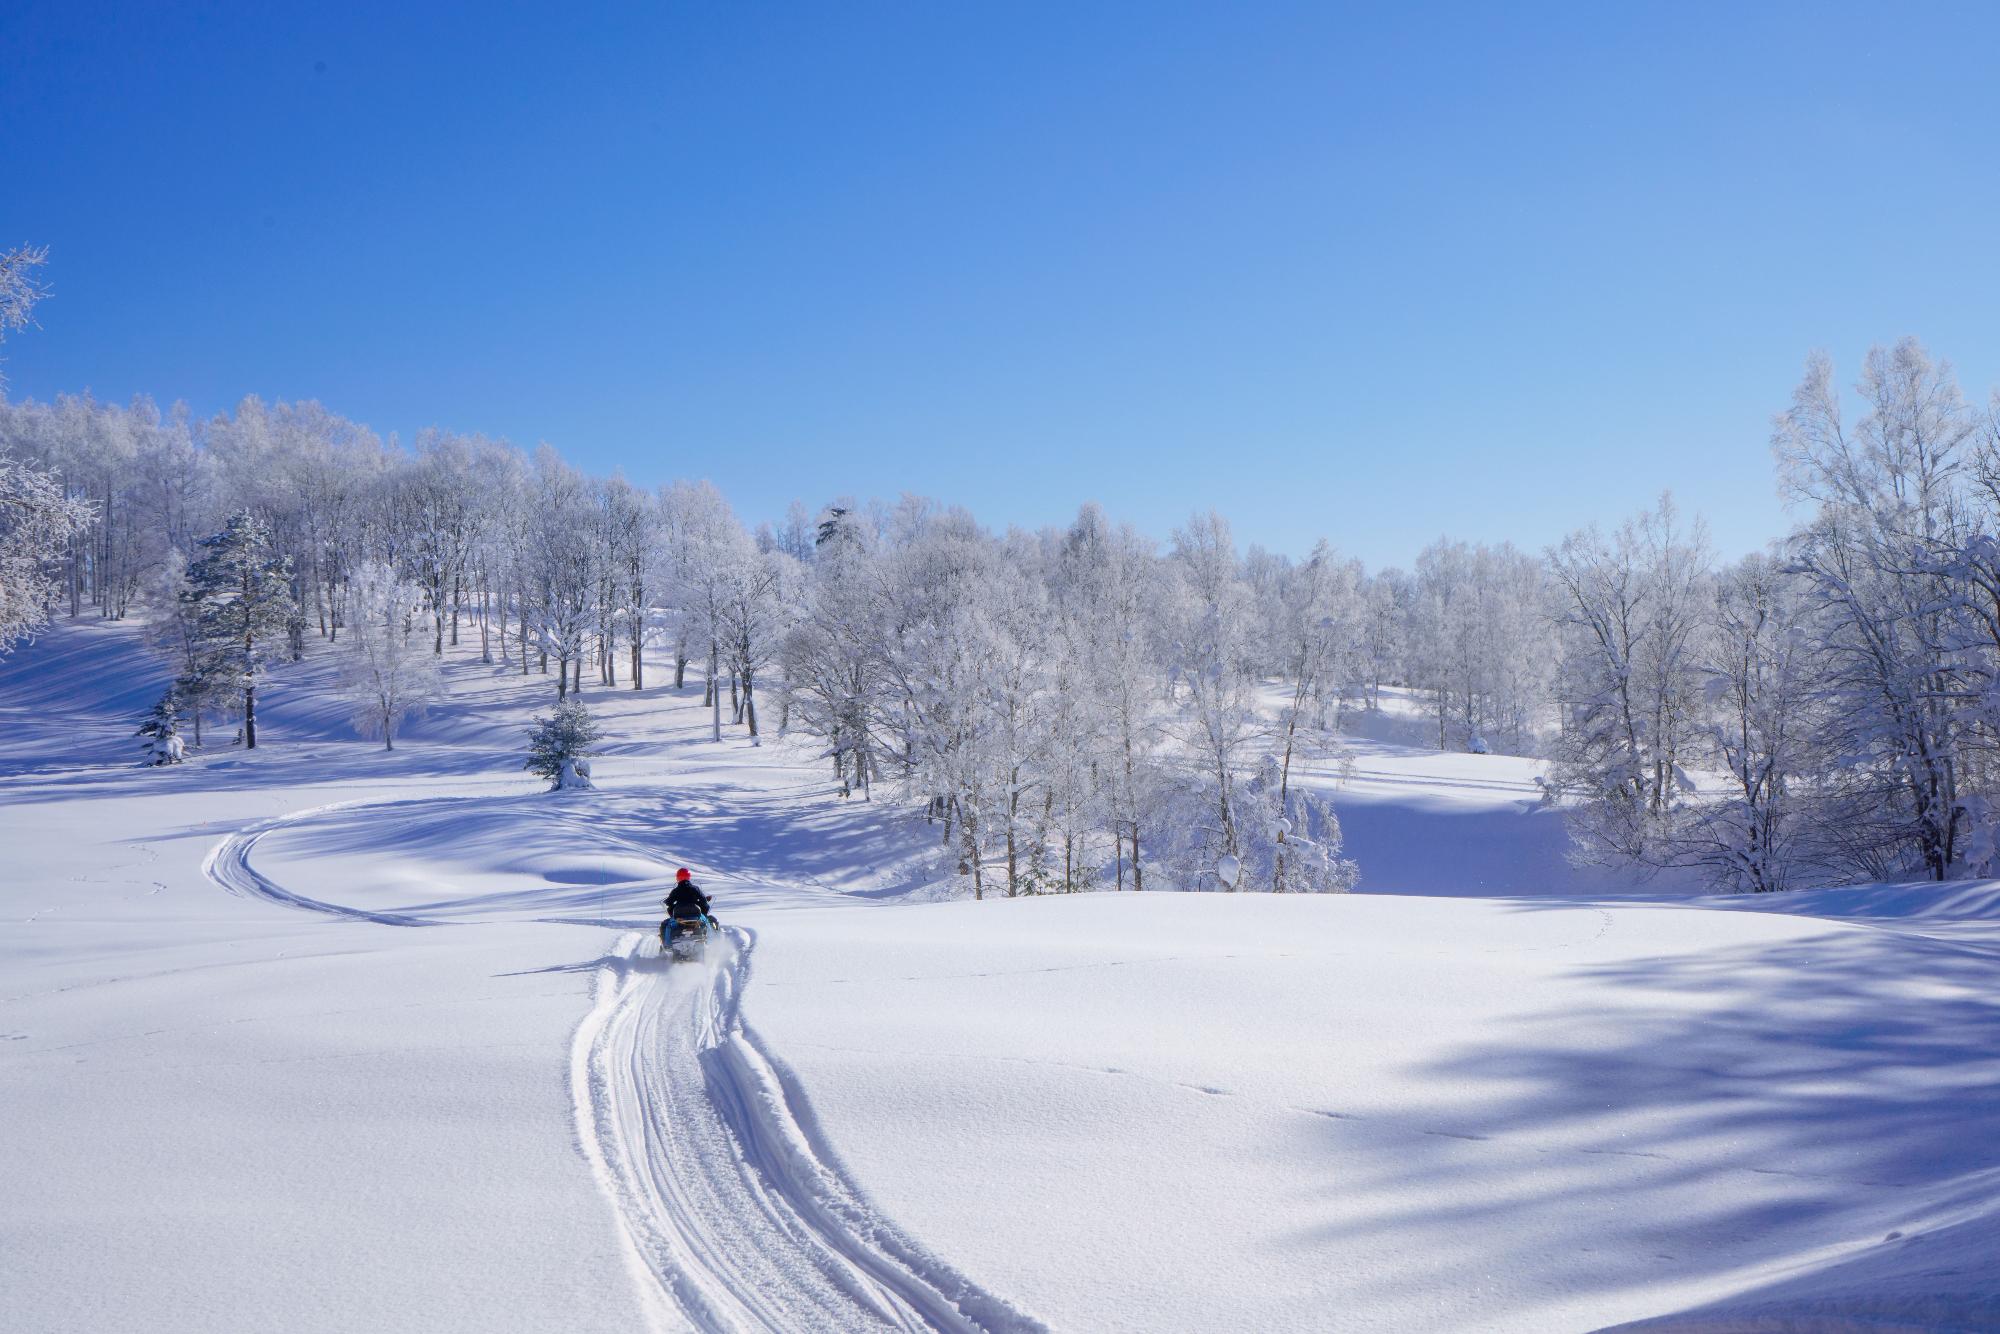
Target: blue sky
(1372, 274)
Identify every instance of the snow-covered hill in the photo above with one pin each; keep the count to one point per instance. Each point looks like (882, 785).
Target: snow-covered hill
(321, 1036)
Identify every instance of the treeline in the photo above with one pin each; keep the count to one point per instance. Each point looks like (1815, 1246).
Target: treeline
(1082, 706)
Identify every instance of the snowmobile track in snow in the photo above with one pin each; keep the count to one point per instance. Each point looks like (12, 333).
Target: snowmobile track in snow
(731, 1218)
(724, 1196)
(228, 865)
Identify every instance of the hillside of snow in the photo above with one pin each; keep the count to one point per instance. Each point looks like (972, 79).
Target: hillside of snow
(323, 1037)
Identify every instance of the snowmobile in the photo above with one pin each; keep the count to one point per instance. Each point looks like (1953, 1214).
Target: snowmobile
(684, 937)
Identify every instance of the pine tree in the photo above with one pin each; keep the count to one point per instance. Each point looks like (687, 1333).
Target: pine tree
(240, 597)
(559, 743)
(162, 730)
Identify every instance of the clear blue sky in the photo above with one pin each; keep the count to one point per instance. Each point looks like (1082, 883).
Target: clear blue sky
(1375, 274)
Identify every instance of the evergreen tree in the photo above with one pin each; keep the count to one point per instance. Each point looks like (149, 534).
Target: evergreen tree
(240, 599)
(559, 742)
(162, 730)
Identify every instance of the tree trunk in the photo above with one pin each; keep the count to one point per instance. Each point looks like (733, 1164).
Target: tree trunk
(971, 830)
(1013, 808)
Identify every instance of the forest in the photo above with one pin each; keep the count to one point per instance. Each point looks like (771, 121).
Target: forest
(1085, 707)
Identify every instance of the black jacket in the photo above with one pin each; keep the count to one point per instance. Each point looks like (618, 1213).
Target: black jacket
(686, 898)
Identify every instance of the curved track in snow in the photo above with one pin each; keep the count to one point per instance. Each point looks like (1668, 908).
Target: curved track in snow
(730, 1213)
(723, 1193)
(228, 865)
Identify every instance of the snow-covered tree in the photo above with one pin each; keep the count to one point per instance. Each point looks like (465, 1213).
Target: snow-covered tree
(631, 564)
(1479, 643)
(560, 744)
(761, 590)
(239, 599)
(387, 671)
(840, 677)
(20, 286)
(36, 522)
(560, 565)
(1880, 561)
(1764, 726)
(1314, 622)
(1293, 837)
(1111, 585)
(1630, 686)
(1212, 669)
(161, 732)
(707, 549)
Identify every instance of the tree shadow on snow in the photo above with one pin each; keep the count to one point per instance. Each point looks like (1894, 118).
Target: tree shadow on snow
(1700, 1113)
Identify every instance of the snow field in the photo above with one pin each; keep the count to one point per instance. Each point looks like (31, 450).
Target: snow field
(240, 1093)
(1375, 1113)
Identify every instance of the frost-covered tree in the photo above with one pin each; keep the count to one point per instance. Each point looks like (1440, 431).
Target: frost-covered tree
(239, 599)
(560, 744)
(172, 621)
(839, 680)
(1630, 685)
(1879, 559)
(1293, 837)
(161, 732)
(1008, 625)
(1314, 620)
(761, 589)
(1381, 634)
(560, 562)
(708, 550)
(1212, 668)
(36, 522)
(1479, 644)
(20, 286)
(631, 563)
(1764, 729)
(387, 671)
(440, 516)
(1111, 587)
(37, 518)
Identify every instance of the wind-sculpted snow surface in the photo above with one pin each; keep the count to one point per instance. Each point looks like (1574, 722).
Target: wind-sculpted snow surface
(724, 1196)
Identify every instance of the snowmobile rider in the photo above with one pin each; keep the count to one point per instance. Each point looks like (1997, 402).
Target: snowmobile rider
(687, 900)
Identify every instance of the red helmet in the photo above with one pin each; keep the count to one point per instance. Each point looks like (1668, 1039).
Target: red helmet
(683, 874)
